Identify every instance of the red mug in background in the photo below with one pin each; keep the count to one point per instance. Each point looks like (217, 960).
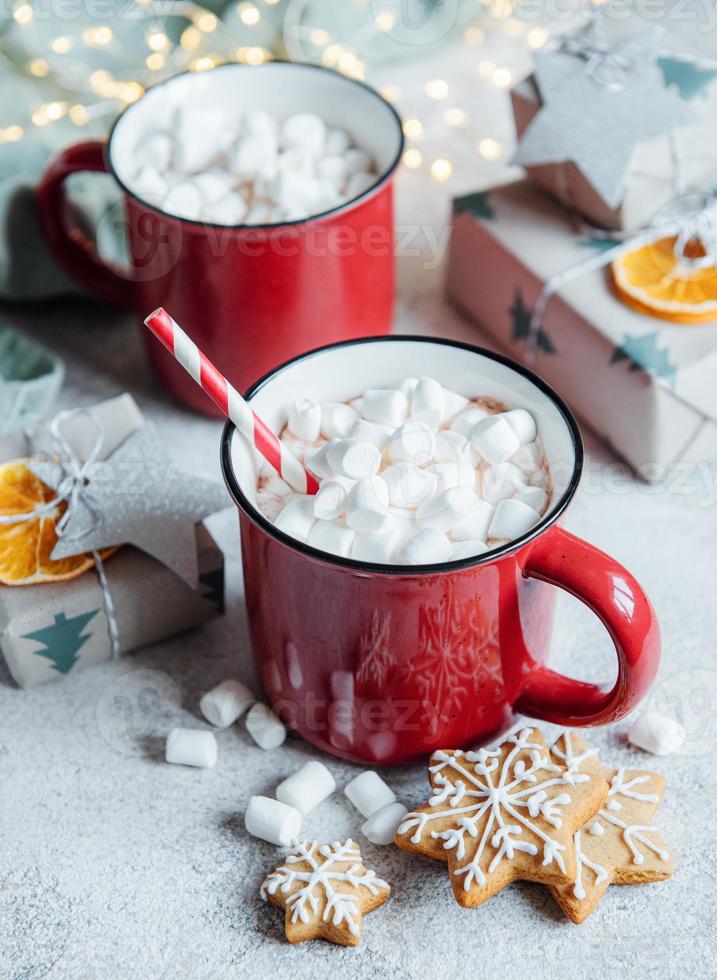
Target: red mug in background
(250, 296)
(382, 664)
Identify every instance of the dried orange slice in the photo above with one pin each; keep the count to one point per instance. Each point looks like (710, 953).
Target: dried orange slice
(25, 547)
(655, 280)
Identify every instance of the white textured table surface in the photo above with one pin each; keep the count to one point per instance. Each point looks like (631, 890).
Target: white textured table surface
(114, 865)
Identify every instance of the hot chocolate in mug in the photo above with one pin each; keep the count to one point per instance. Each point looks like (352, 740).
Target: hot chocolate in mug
(250, 295)
(382, 664)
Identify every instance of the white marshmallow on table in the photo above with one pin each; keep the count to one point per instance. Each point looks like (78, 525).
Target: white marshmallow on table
(408, 485)
(453, 403)
(379, 547)
(184, 200)
(307, 787)
(305, 419)
(501, 481)
(253, 155)
(272, 821)
(226, 702)
(372, 432)
(425, 547)
(657, 734)
(464, 422)
(330, 500)
(511, 519)
(428, 403)
(413, 442)
(385, 405)
(528, 458)
(358, 160)
(333, 537)
(474, 526)
(448, 508)
(369, 793)
(534, 497)
(382, 825)
(451, 475)
(522, 423)
(354, 459)
(367, 507)
(337, 141)
(191, 747)
(264, 727)
(154, 150)
(494, 439)
(468, 549)
(306, 130)
(228, 210)
(297, 517)
(337, 420)
(360, 182)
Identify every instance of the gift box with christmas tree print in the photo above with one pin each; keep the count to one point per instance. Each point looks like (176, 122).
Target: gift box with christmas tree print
(644, 384)
(616, 131)
(102, 545)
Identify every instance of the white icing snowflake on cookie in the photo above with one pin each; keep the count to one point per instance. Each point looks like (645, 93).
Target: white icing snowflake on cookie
(619, 844)
(324, 890)
(500, 815)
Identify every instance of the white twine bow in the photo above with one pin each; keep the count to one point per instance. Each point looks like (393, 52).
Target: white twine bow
(692, 227)
(75, 489)
(602, 63)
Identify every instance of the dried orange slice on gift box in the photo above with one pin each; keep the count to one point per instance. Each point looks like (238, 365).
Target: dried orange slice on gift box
(25, 547)
(659, 281)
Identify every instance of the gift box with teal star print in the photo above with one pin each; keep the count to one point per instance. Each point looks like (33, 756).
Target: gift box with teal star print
(646, 386)
(161, 572)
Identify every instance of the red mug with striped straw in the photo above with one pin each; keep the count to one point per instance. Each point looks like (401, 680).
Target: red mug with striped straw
(251, 296)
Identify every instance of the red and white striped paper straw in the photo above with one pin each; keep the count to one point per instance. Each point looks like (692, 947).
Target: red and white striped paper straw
(230, 402)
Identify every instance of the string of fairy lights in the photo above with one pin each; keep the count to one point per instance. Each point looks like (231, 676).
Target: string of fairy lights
(90, 79)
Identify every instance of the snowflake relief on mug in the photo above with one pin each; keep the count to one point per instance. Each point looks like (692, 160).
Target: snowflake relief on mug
(136, 711)
(457, 654)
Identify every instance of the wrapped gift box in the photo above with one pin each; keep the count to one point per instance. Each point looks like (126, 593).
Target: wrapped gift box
(646, 386)
(50, 629)
(649, 182)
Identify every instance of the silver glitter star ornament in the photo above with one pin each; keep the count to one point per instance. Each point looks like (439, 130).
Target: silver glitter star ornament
(136, 496)
(599, 102)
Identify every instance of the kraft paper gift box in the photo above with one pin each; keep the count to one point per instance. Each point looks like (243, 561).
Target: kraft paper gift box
(49, 630)
(649, 184)
(644, 385)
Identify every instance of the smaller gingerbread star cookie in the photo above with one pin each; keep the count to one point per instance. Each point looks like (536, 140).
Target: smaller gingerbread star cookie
(502, 815)
(324, 890)
(618, 845)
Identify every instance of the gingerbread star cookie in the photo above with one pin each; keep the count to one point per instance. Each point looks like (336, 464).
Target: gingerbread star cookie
(324, 890)
(618, 845)
(502, 815)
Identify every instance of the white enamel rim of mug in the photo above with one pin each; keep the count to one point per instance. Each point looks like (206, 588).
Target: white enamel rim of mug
(384, 361)
(280, 87)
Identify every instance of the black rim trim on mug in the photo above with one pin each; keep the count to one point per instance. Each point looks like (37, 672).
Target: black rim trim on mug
(382, 178)
(255, 515)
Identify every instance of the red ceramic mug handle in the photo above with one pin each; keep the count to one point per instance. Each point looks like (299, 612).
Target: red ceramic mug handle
(76, 253)
(616, 598)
